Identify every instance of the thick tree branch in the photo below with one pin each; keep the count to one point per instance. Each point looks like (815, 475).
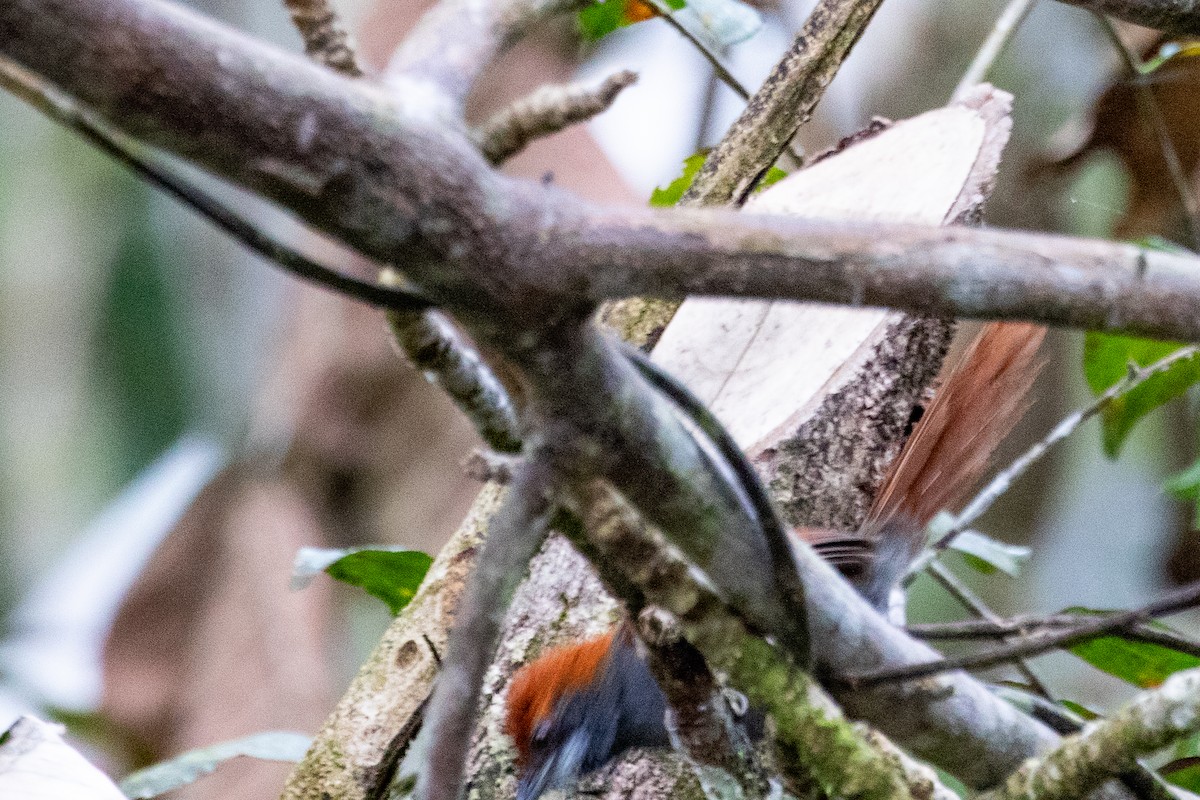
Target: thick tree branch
(952, 272)
(395, 184)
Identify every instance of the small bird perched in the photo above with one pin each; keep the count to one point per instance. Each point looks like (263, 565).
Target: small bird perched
(579, 706)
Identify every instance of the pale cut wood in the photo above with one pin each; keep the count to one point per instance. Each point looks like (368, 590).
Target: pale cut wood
(36, 764)
(784, 377)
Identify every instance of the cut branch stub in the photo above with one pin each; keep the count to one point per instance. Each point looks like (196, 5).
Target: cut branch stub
(822, 396)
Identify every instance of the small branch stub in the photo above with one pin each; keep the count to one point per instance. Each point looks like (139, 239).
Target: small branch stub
(325, 40)
(548, 110)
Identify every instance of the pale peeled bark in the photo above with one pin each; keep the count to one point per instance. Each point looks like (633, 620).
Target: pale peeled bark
(36, 762)
(820, 395)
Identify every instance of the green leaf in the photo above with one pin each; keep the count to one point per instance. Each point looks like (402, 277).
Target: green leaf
(1106, 359)
(988, 555)
(1140, 663)
(774, 175)
(952, 783)
(1185, 777)
(184, 769)
(1079, 710)
(600, 19)
(670, 195)
(1162, 244)
(392, 574)
(1168, 53)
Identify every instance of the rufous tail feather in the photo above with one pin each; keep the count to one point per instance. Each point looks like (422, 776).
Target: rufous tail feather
(952, 446)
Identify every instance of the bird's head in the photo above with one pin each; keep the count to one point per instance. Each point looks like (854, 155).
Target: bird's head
(577, 707)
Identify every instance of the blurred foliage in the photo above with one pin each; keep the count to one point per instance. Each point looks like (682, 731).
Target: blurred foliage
(186, 768)
(1185, 486)
(987, 555)
(1079, 710)
(140, 363)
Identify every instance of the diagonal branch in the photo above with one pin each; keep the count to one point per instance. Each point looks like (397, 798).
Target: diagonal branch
(784, 102)
(1180, 17)
(1152, 721)
(1023, 625)
(808, 725)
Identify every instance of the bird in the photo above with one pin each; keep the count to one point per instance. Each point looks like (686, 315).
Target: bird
(579, 706)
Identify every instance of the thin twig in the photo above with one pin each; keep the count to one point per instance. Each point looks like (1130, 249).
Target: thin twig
(971, 629)
(514, 536)
(1153, 112)
(325, 40)
(488, 466)
(547, 110)
(973, 603)
(719, 69)
(434, 345)
(1007, 23)
(1149, 634)
(65, 112)
(1005, 479)
(1037, 643)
